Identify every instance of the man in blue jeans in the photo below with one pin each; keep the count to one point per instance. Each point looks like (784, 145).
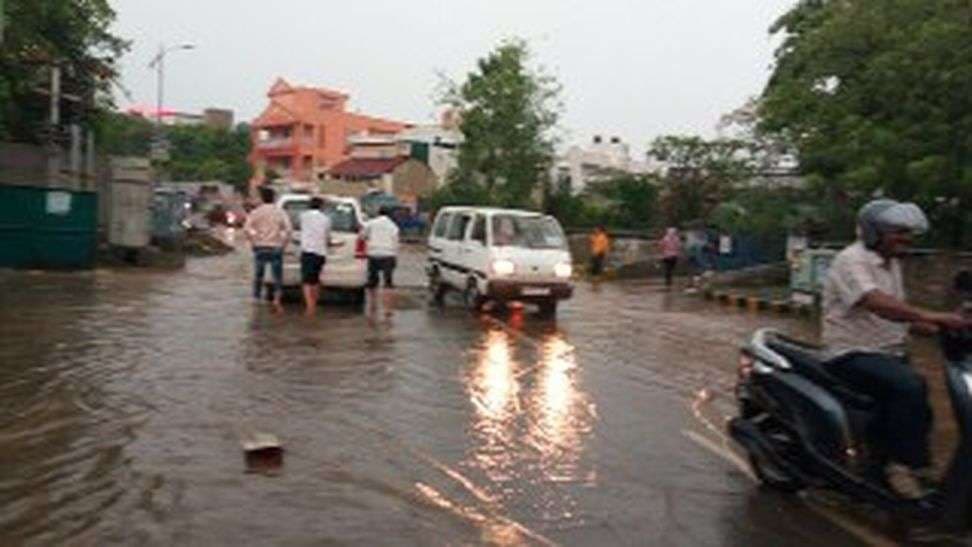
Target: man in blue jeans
(268, 229)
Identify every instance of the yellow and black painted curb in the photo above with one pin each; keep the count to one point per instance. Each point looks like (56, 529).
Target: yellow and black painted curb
(755, 303)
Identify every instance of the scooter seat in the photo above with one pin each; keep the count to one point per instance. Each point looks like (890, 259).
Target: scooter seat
(810, 363)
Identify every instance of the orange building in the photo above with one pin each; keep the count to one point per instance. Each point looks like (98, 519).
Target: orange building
(305, 130)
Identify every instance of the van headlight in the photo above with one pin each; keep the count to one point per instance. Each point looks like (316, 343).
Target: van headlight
(503, 267)
(563, 269)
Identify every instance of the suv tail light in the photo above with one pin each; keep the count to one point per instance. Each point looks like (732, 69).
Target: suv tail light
(360, 248)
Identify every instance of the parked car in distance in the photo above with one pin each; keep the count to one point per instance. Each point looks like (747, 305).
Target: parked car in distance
(499, 255)
(346, 268)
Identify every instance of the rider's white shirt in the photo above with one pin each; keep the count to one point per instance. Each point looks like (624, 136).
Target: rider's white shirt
(855, 272)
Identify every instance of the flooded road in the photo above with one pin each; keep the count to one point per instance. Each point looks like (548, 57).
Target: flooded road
(125, 397)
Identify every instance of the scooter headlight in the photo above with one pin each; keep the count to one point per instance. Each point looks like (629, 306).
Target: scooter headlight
(503, 267)
(746, 364)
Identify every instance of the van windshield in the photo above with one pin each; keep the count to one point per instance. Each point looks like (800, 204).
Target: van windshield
(531, 232)
(342, 215)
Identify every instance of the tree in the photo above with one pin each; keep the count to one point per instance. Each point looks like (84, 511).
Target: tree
(197, 153)
(876, 96)
(73, 34)
(700, 174)
(201, 153)
(631, 199)
(508, 112)
(119, 134)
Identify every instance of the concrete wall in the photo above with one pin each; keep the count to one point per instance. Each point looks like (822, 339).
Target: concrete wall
(929, 276)
(412, 180)
(630, 256)
(22, 165)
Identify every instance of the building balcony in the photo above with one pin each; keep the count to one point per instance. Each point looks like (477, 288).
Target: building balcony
(284, 145)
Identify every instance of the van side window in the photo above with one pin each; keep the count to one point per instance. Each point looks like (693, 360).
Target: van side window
(441, 224)
(479, 230)
(458, 227)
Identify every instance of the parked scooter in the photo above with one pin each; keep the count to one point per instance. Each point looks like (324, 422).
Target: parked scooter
(801, 426)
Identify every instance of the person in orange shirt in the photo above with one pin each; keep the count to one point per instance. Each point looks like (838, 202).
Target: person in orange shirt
(600, 245)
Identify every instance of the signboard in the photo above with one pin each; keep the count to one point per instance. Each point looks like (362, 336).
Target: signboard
(58, 203)
(725, 245)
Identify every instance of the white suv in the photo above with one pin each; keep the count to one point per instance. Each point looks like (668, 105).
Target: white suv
(346, 268)
(499, 255)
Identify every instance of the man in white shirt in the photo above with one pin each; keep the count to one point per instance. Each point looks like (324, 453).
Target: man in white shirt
(865, 326)
(315, 238)
(381, 235)
(268, 229)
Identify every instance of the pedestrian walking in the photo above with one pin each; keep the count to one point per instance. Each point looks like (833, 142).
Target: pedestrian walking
(382, 237)
(600, 245)
(671, 249)
(268, 230)
(315, 238)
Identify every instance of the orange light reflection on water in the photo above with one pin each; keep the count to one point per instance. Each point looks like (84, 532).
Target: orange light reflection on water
(529, 417)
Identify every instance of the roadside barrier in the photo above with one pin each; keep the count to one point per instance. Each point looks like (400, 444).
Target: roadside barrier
(755, 304)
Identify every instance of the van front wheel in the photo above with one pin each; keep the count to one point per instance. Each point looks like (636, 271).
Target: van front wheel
(473, 299)
(437, 288)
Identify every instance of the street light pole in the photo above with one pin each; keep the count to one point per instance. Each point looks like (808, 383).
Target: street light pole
(158, 63)
(160, 85)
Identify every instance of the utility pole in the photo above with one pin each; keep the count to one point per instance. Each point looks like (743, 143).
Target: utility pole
(158, 63)
(160, 85)
(3, 20)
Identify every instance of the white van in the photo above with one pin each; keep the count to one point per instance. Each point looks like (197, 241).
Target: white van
(347, 265)
(499, 255)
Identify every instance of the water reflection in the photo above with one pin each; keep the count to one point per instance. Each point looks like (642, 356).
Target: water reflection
(531, 418)
(563, 414)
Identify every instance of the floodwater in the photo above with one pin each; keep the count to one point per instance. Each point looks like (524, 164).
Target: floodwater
(126, 396)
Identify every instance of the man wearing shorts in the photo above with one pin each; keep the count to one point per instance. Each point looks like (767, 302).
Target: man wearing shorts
(315, 236)
(381, 235)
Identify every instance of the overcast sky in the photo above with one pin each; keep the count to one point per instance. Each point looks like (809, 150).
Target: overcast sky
(632, 68)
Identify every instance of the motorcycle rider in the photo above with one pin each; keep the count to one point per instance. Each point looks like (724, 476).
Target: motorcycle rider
(865, 327)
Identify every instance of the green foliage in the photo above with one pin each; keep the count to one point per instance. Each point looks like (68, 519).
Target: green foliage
(631, 200)
(622, 201)
(877, 98)
(508, 113)
(118, 134)
(701, 174)
(196, 153)
(76, 34)
(199, 153)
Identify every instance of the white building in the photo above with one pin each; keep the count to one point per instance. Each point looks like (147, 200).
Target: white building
(435, 145)
(597, 161)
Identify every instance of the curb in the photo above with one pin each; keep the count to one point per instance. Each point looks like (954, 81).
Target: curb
(755, 304)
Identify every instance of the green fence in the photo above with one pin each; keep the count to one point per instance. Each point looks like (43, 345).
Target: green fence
(47, 228)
